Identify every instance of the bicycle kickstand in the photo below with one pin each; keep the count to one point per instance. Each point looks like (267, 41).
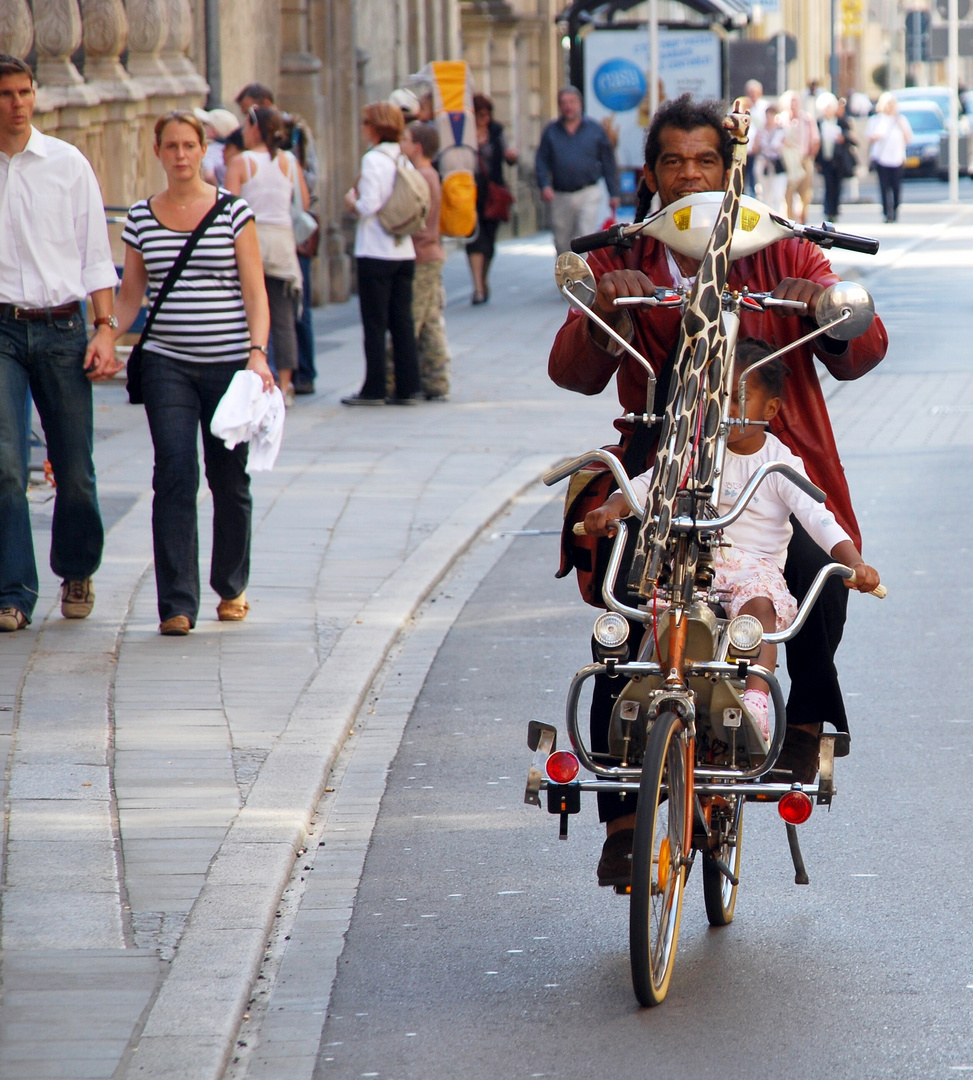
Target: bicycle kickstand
(800, 873)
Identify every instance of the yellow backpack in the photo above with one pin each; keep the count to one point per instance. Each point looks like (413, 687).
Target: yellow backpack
(452, 95)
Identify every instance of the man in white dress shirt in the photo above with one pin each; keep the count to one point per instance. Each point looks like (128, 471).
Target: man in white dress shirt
(54, 252)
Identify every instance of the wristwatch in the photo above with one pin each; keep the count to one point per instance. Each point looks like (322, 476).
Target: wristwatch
(259, 348)
(107, 320)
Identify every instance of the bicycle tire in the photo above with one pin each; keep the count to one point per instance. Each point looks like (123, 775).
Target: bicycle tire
(658, 877)
(719, 893)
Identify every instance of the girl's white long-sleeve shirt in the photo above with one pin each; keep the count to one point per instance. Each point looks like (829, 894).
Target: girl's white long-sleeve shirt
(764, 528)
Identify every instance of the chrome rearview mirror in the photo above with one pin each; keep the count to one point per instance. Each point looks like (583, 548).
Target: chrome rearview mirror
(577, 284)
(848, 307)
(571, 272)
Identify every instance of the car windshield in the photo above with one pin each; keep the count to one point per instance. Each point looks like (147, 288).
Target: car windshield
(922, 121)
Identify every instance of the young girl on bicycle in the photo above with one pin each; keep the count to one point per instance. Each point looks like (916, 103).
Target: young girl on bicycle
(749, 573)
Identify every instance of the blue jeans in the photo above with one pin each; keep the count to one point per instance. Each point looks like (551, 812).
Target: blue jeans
(306, 371)
(180, 399)
(47, 358)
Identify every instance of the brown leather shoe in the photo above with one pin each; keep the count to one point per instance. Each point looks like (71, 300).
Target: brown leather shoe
(177, 626)
(233, 610)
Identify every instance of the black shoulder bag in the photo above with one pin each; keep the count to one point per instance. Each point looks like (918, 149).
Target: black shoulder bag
(133, 368)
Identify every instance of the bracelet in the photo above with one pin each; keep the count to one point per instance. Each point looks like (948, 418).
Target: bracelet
(259, 348)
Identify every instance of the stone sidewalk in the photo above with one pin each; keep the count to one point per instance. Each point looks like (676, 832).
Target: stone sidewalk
(158, 790)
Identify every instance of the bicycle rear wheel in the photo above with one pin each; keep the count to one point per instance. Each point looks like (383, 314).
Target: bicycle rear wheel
(719, 892)
(658, 870)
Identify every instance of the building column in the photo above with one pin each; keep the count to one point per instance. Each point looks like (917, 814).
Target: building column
(123, 100)
(16, 28)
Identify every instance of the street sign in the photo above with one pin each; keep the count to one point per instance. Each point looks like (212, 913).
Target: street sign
(852, 17)
(939, 42)
(917, 25)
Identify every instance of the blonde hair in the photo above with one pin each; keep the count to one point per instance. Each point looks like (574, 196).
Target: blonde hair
(179, 116)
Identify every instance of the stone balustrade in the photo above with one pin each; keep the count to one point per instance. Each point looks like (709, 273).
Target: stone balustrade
(136, 65)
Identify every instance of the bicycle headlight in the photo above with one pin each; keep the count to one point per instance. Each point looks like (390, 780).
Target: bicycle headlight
(611, 630)
(745, 634)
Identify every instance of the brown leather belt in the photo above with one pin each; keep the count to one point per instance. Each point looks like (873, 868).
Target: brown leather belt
(40, 314)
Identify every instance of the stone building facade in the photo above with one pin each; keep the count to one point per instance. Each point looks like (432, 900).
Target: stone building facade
(106, 69)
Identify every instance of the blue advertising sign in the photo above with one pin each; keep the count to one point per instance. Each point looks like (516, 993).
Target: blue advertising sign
(616, 64)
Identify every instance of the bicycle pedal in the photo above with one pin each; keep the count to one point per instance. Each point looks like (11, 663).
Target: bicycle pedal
(623, 890)
(842, 743)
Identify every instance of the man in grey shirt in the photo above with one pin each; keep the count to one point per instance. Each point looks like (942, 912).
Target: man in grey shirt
(574, 154)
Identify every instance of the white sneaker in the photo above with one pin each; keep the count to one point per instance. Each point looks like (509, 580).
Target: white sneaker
(77, 598)
(759, 708)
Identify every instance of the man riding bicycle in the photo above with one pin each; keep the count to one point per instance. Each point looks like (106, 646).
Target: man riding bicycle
(688, 150)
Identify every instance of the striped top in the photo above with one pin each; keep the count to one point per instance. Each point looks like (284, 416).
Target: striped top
(202, 320)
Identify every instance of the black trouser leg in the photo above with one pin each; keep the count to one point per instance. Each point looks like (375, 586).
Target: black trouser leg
(815, 694)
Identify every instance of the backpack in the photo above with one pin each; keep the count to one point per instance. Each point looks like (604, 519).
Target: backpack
(404, 211)
(457, 208)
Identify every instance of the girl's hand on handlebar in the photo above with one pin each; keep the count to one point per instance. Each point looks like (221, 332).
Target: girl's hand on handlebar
(798, 289)
(603, 521)
(866, 578)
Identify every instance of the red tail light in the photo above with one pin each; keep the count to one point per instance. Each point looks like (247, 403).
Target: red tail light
(795, 807)
(562, 767)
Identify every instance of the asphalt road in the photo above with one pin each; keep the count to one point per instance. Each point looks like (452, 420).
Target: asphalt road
(481, 946)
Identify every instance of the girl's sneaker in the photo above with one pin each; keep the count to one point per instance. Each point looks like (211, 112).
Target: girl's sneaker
(759, 708)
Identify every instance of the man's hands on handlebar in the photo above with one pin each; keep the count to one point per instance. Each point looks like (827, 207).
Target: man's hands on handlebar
(798, 289)
(623, 283)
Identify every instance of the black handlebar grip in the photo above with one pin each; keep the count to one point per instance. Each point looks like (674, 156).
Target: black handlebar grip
(581, 244)
(832, 238)
(865, 244)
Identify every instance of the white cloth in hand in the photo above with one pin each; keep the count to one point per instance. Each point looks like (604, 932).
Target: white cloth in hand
(247, 412)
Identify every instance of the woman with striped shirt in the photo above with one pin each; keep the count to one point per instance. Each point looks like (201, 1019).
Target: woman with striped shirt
(214, 322)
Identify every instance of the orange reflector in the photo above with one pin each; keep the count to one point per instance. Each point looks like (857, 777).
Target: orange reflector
(562, 767)
(795, 807)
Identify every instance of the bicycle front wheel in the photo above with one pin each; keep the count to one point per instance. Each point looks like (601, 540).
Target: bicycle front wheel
(658, 866)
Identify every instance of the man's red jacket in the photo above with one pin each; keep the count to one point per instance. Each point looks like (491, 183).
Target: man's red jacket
(578, 363)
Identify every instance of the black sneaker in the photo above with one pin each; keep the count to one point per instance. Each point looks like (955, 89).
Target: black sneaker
(615, 864)
(799, 756)
(357, 399)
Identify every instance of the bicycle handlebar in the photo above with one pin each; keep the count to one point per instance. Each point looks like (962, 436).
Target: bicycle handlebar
(824, 235)
(827, 236)
(614, 235)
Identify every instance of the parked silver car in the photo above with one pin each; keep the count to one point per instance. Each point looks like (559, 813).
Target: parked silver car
(927, 110)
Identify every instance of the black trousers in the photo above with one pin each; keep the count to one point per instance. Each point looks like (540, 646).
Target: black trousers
(815, 694)
(385, 300)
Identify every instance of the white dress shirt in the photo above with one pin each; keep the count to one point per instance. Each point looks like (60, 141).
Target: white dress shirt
(54, 245)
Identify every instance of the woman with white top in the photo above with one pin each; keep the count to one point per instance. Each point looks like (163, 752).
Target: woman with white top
(386, 265)
(265, 177)
(889, 134)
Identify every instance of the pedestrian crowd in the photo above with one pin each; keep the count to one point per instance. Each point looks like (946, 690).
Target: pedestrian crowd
(792, 137)
(224, 252)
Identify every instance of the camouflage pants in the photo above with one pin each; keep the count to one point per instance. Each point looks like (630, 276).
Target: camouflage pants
(428, 299)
